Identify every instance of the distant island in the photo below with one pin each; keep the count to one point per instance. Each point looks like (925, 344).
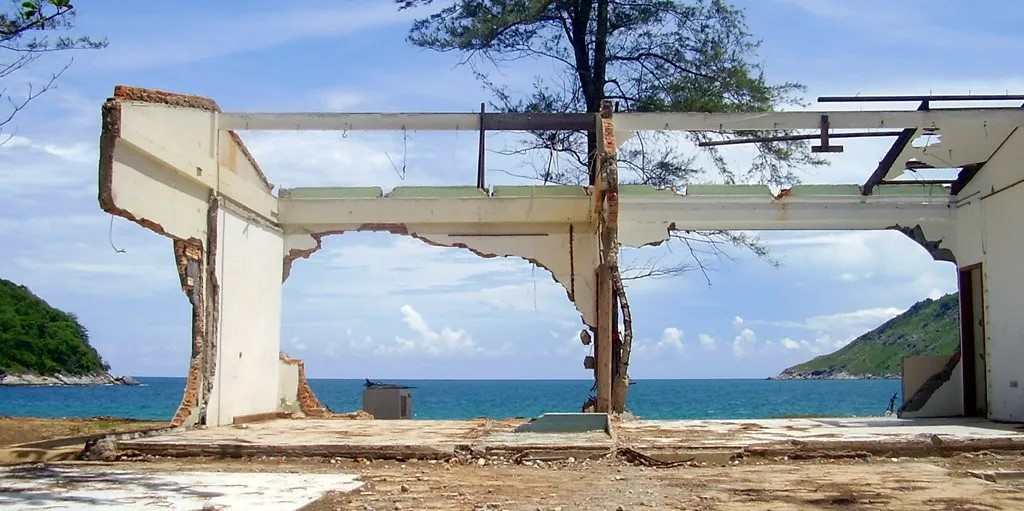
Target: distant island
(929, 327)
(42, 345)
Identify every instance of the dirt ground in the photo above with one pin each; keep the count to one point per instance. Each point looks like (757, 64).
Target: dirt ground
(19, 430)
(856, 484)
(863, 482)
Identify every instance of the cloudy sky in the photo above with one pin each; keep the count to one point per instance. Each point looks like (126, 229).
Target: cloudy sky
(378, 305)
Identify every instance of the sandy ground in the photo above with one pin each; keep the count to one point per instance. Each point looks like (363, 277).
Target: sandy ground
(19, 430)
(865, 484)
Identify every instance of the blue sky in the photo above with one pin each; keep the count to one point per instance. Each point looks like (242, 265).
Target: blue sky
(383, 306)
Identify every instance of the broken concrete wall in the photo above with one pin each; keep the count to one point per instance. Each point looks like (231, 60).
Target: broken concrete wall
(944, 398)
(988, 230)
(550, 226)
(288, 384)
(165, 166)
(294, 388)
(248, 269)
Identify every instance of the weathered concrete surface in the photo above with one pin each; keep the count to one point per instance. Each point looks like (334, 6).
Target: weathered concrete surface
(784, 437)
(98, 487)
(665, 439)
(379, 439)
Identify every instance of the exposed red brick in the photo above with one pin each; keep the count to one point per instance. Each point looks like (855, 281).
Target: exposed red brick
(308, 402)
(129, 93)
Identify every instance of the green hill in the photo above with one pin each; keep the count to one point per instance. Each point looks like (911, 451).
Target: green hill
(929, 327)
(38, 339)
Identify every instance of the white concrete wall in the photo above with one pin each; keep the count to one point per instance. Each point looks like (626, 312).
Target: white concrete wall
(989, 230)
(288, 387)
(249, 325)
(947, 401)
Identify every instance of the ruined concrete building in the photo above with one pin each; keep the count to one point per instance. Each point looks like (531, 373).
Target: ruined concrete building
(175, 165)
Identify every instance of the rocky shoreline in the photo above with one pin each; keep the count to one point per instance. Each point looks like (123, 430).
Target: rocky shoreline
(831, 375)
(28, 379)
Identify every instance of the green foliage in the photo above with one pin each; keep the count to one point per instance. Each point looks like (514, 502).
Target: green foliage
(930, 327)
(648, 55)
(40, 339)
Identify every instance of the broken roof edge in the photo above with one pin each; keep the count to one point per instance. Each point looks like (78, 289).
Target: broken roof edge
(162, 97)
(436, 192)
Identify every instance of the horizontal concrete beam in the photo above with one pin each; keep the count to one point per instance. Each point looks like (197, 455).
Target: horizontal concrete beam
(646, 218)
(442, 210)
(747, 214)
(691, 121)
(682, 121)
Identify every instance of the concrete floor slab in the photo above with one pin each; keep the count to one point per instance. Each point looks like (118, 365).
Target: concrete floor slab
(876, 435)
(483, 437)
(741, 433)
(98, 487)
(365, 438)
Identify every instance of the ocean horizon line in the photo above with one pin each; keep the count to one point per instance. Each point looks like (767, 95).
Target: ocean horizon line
(714, 378)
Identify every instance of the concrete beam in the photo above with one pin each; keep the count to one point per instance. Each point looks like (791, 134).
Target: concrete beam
(465, 210)
(626, 122)
(975, 118)
(645, 218)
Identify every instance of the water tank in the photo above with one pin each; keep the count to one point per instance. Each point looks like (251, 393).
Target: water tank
(387, 401)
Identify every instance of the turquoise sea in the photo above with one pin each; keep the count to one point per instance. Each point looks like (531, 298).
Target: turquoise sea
(157, 398)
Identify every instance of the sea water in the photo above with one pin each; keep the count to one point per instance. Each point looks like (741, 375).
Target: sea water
(157, 398)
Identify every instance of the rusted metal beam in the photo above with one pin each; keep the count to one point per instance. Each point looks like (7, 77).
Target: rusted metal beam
(926, 97)
(889, 159)
(824, 146)
(967, 173)
(480, 151)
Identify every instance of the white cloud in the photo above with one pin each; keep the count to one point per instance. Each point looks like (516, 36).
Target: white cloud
(671, 337)
(790, 344)
(30, 166)
(860, 259)
(429, 341)
(842, 326)
(737, 321)
(743, 344)
(708, 342)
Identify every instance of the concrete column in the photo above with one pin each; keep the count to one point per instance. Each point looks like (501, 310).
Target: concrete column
(603, 342)
(606, 188)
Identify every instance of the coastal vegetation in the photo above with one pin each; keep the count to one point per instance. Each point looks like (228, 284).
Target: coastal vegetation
(38, 339)
(929, 327)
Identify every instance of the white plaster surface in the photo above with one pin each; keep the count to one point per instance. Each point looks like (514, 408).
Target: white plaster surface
(947, 400)
(99, 487)
(989, 231)
(249, 327)
(288, 386)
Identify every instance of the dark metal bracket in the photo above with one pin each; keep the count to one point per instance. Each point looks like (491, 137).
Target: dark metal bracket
(825, 146)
